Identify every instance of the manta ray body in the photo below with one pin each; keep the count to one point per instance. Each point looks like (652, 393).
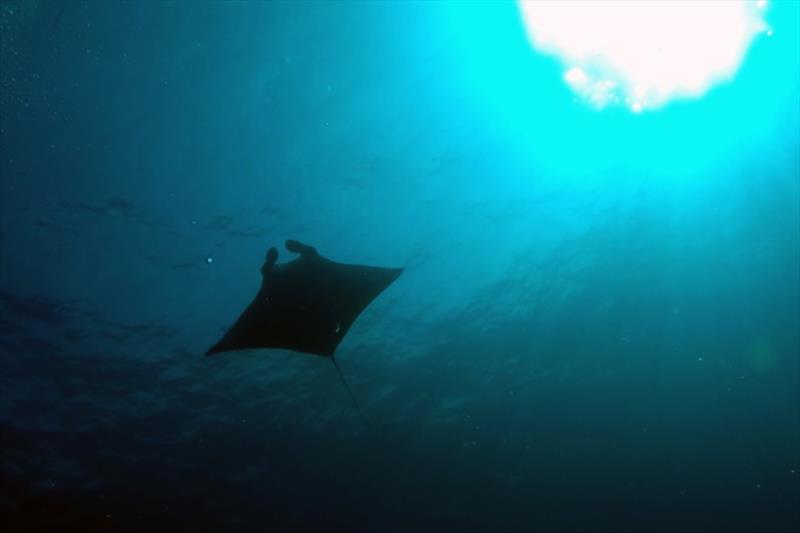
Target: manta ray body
(305, 305)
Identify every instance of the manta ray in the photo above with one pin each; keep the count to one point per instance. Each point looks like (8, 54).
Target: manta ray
(305, 305)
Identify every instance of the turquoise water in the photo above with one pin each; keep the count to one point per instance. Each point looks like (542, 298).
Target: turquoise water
(597, 329)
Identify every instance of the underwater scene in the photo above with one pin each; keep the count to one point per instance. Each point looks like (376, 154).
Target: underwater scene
(400, 266)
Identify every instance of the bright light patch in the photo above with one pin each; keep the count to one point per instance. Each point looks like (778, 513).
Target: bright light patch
(644, 54)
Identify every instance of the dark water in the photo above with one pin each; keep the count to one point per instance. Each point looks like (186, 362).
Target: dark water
(598, 327)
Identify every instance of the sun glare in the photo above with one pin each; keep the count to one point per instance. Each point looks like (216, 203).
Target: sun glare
(644, 54)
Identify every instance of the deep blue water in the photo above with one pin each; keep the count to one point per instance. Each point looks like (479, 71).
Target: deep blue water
(597, 329)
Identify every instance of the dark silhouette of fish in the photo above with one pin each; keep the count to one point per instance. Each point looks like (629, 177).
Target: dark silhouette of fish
(306, 305)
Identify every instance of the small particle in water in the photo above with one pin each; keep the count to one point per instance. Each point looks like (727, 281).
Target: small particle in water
(338, 327)
(209, 260)
(477, 428)
(770, 33)
(793, 471)
(194, 222)
(700, 359)
(758, 486)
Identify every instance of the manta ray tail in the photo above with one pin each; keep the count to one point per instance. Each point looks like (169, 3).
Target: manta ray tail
(349, 390)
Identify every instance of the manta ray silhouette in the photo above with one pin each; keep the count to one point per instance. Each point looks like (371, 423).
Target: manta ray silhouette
(305, 305)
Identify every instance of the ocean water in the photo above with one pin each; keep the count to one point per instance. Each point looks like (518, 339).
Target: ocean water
(597, 328)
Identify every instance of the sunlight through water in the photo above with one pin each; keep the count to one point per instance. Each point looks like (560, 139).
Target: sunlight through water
(644, 54)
